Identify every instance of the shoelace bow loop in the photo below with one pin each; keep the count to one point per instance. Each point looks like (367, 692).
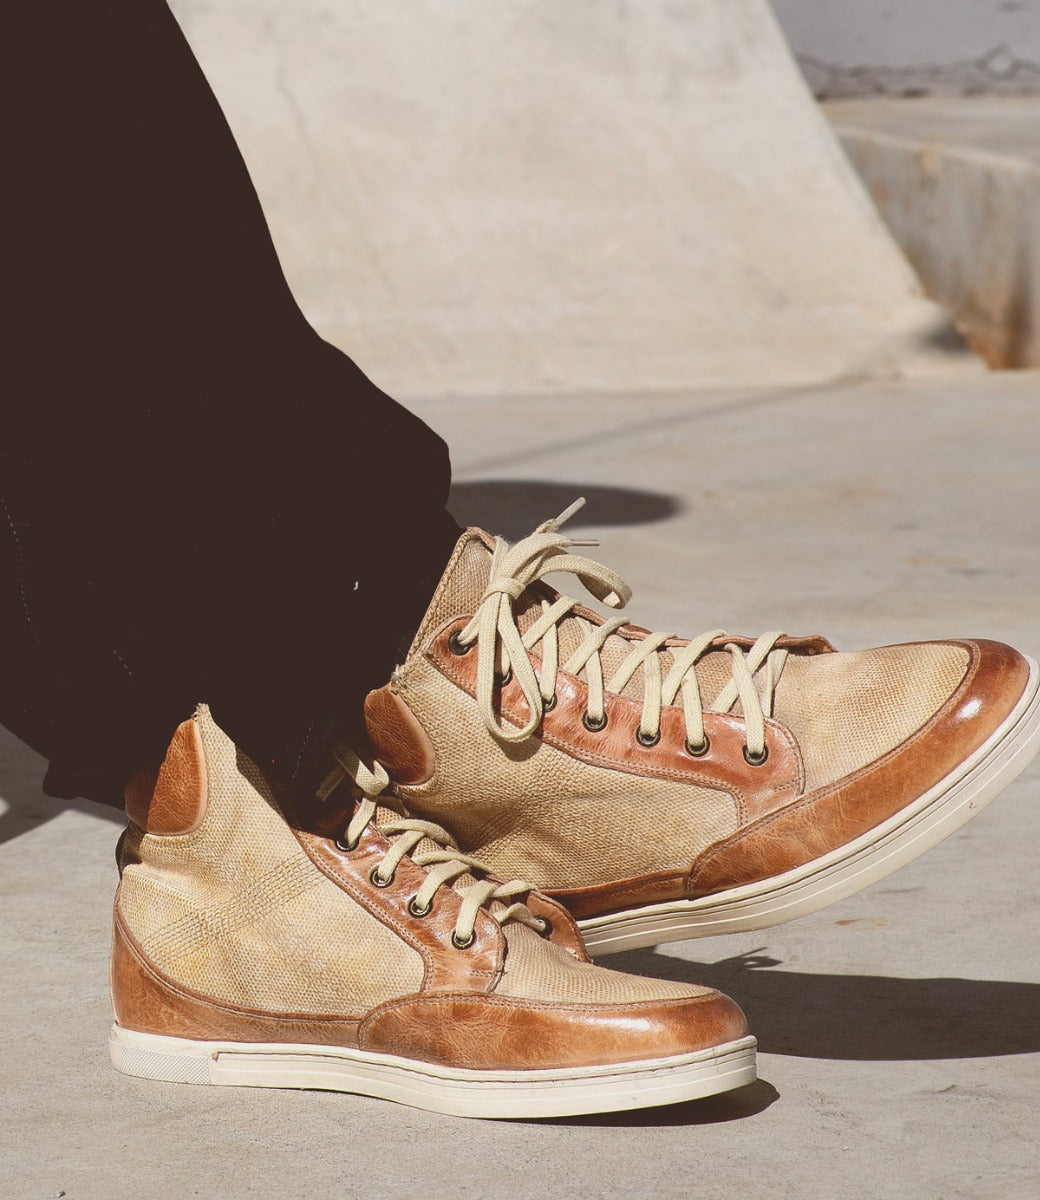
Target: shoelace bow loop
(443, 866)
(504, 652)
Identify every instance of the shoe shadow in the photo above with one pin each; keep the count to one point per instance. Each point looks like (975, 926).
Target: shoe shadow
(863, 1018)
(744, 1102)
(513, 507)
(27, 808)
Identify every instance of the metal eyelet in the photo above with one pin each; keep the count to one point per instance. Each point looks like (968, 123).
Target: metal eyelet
(459, 944)
(700, 749)
(417, 911)
(547, 927)
(756, 760)
(550, 704)
(457, 646)
(647, 739)
(503, 679)
(593, 726)
(341, 843)
(378, 881)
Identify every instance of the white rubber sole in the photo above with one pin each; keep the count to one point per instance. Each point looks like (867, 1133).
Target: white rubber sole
(499, 1094)
(848, 869)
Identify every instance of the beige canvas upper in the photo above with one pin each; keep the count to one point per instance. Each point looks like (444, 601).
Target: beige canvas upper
(531, 808)
(237, 911)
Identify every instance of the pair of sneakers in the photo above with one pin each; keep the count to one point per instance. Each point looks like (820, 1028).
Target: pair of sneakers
(541, 784)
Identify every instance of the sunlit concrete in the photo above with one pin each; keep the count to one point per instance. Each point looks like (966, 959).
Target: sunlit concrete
(899, 1030)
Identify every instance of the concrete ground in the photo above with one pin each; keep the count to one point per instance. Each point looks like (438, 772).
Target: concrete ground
(899, 1030)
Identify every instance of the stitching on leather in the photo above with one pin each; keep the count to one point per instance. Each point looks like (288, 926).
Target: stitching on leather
(440, 999)
(393, 921)
(706, 857)
(601, 760)
(187, 993)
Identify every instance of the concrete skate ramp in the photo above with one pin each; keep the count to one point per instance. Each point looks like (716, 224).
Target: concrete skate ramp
(537, 196)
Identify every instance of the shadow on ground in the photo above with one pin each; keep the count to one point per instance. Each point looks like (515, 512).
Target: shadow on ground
(864, 1018)
(513, 507)
(21, 776)
(712, 1110)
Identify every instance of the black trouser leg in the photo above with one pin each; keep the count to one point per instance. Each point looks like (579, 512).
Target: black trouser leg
(201, 499)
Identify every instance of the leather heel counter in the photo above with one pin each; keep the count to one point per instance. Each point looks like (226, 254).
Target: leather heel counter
(144, 1001)
(173, 800)
(128, 984)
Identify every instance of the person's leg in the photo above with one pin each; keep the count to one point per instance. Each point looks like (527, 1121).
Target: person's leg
(202, 502)
(193, 483)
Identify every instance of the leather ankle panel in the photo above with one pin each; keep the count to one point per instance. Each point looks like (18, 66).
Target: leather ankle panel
(144, 1000)
(172, 801)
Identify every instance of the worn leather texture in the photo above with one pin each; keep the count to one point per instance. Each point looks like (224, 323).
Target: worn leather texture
(147, 1001)
(832, 816)
(171, 802)
(399, 741)
(497, 1033)
(597, 899)
(461, 1030)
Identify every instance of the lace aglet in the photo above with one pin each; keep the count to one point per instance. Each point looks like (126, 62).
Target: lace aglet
(569, 512)
(329, 784)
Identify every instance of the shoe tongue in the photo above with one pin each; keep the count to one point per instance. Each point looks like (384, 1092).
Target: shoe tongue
(463, 584)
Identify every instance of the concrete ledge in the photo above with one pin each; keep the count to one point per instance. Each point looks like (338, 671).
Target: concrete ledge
(958, 181)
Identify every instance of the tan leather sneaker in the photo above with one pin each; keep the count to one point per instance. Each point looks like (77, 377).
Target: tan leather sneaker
(343, 945)
(665, 788)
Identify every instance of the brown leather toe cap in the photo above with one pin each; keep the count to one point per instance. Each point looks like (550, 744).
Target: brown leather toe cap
(829, 817)
(487, 1033)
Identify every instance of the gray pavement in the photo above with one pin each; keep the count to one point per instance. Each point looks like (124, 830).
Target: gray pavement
(899, 1030)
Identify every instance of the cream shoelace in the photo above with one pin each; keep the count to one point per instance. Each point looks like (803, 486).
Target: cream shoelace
(503, 650)
(443, 866)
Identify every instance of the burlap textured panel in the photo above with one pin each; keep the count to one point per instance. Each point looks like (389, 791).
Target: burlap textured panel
(236, 909)
(537, 970)
(845, 709)
(530, 810)
(463, 584)
(460, 588)
(848, 709)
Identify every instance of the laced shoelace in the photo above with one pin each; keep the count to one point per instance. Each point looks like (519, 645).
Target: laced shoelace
(503, 651)
(443, 866)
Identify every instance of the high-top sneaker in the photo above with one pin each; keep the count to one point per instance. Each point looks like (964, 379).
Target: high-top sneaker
(341, 944)
(665, 788)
